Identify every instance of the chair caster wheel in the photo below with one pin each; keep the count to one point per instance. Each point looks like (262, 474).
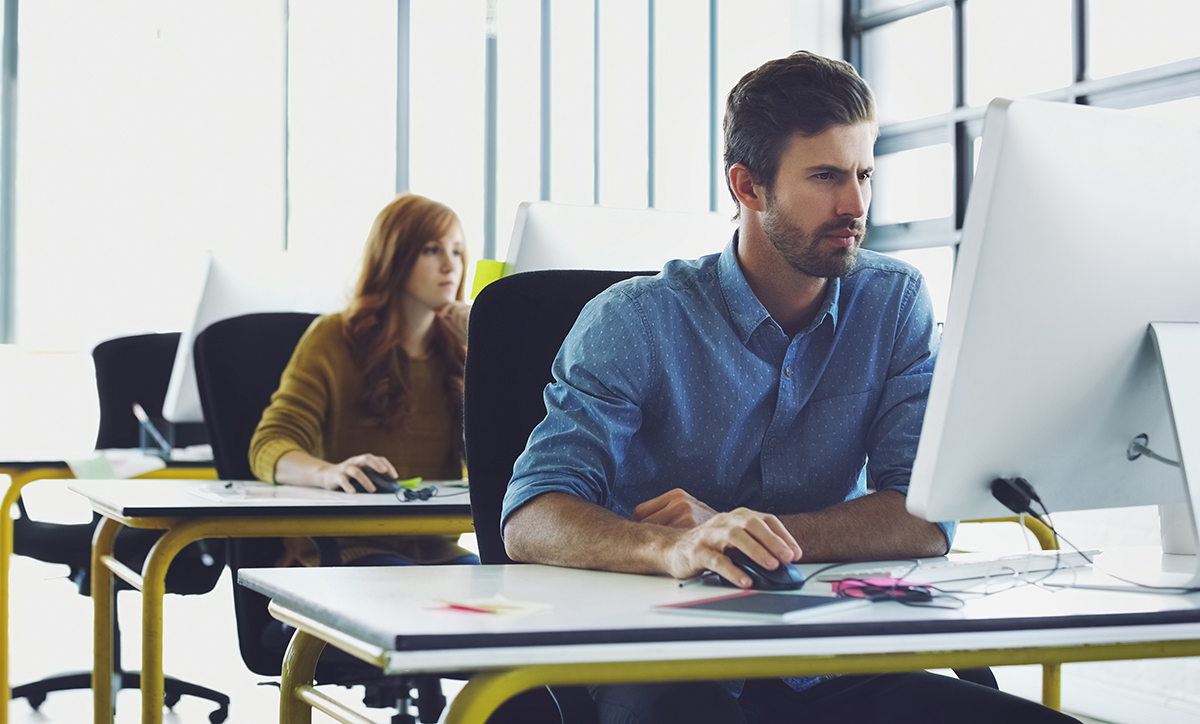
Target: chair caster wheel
(219, 715)
(171, 699)
(36, 700)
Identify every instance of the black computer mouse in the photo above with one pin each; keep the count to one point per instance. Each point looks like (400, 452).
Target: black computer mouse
(787, 577)
(383, 482)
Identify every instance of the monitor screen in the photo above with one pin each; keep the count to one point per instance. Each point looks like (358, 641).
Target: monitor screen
(563, 236)
(233, 286)
(1080, 231)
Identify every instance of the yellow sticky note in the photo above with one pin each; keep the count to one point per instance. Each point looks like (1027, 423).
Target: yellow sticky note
(486, 272)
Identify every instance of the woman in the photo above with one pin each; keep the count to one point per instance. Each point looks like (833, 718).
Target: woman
(380, 384)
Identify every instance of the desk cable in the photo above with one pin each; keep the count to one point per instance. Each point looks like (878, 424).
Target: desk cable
(1018, 495)
(408, 494)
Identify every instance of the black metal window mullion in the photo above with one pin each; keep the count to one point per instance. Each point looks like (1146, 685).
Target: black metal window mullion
(1079, 44)
(851, 33)
(963, 148)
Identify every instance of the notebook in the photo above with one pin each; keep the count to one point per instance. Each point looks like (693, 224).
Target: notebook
(781, 607)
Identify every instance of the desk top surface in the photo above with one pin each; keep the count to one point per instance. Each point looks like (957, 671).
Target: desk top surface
(56, 459)
(405, 609)
(169, 498)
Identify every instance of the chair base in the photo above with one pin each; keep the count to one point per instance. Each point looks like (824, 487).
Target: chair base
(173, 689)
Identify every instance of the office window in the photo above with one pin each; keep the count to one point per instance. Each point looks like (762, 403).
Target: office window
(1128, 36)
(681, 174)
(1015, 48)
(908, 65)
(610, 42)
(341, 122)
(934, 67)
(446, 124)
(146, 133)
(1184, 112)
(913, 185)
(149, 132)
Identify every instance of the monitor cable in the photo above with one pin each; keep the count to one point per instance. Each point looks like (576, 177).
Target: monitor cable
(1018, 495)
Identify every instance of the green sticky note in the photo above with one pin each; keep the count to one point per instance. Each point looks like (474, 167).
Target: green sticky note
(97, 468)
(486, 272)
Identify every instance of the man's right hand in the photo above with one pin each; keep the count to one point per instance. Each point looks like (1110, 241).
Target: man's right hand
(560, 529)
(761, 536)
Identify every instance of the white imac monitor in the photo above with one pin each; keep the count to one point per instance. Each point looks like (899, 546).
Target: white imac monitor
(233, 286)
(562, 236)
(1081, 231)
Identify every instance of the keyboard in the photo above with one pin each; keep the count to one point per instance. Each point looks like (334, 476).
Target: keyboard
(962, 566)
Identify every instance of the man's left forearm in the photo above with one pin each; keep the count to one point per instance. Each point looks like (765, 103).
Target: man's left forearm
(873, 527)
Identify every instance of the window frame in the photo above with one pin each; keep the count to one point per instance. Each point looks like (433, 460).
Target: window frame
(963, 124)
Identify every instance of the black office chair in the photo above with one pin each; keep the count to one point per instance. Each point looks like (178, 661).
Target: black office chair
(138, 369)
(128, 370)
(518, 324)
(239, 362)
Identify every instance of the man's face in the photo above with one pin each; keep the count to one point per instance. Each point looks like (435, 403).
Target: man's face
(816, 215)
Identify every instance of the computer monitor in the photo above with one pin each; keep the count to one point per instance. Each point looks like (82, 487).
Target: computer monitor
(248, 284)
(1080, 232)
(563, 236)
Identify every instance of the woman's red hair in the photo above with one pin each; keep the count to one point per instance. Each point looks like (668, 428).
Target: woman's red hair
(375, 327)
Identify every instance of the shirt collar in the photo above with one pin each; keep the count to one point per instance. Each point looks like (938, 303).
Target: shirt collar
(829, 308)
(747, 312)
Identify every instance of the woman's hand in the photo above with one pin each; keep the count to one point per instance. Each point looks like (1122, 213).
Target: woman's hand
(455, 317)
(300, 468)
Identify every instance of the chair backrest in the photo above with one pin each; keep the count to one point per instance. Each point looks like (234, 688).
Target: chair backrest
(239, 363)
(517, 325)
(136, 369)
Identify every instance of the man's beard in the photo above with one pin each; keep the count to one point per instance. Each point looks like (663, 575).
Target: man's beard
(804, 252)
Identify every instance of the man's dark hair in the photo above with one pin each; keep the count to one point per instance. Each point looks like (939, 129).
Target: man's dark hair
(803, 93)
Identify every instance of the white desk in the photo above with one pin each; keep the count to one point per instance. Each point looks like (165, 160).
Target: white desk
(189, 510)
(602, 629)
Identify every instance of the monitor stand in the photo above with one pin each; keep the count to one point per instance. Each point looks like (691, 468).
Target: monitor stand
(1178, 345)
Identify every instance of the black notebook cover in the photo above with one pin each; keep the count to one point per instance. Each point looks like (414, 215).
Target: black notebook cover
(786, 607)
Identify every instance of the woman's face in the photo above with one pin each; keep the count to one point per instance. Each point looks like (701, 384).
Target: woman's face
(435, 278)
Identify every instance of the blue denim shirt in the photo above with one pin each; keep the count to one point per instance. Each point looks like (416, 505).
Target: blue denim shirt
(684, 380)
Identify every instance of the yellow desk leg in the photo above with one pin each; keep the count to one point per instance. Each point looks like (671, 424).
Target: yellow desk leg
(103, 621)
(1052, 686)
(154, 588)
(6, 547)
(299, 667)
(19, 478)
(482, 696)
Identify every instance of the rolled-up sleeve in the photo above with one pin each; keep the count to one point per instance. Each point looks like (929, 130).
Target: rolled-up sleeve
(896, 428)
(602, 375)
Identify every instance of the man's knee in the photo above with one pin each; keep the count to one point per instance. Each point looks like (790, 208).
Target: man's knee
(699, 702)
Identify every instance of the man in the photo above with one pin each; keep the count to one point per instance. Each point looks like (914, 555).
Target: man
(741, 400)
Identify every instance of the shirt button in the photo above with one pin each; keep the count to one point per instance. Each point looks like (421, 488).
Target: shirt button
(787, 371)
(772, 442)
